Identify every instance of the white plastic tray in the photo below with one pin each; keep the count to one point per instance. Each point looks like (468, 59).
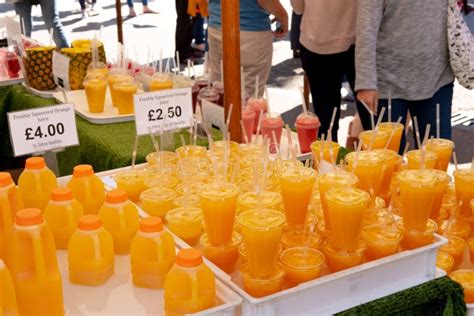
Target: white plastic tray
(110, 114)
(6, 81)
(348, 288)
(48, 94)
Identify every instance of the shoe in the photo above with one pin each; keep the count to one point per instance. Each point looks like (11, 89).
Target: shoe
(132, 13)
(149, 11)
(83, 15)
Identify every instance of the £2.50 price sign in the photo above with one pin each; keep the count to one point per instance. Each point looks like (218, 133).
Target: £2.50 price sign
(43, 129)
(165, 110)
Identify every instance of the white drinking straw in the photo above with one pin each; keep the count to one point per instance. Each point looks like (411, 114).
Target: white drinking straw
(392, 133)
(222, 70)
(438, 127)
(423, 147)
(303, 100)
(259, 126)
(244, 132)
(256, 86)
(376, 129)
(134, 152)
(51, 36)
(267, 96)
(189, 68)
(161, 60)
(390, 106)
(290, 141)
(372, 120)
(417, 131)
(178, 62)
(407, 146)
(455, 159)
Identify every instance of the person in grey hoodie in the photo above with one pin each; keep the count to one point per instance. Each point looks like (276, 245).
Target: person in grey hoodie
(327, 55)
(402, 53)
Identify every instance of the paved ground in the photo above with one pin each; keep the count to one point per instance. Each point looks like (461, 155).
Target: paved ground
(146, 34)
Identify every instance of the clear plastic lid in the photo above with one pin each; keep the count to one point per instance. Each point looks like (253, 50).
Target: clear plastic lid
(307, 119)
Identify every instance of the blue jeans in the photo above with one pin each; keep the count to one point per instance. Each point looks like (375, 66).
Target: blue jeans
(50, 17)
(130, 3)
(425, 113)
(198, 30)
(295, 31)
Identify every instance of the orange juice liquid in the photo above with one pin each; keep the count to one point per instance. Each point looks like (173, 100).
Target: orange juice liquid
(88, 189)
(125, 92)
(133, 182)
(35, 185)
(168, 157)
(445, 261)
(381, 240)
(225, 256)
(157, 85)
(440, 190)
(190, 286)
(331, 181)
(260, 286)
(95, 93)
(346, 213)
(255, 200)
(379, 142)
(300, 238)
(121, 221)
(464, 186)
(337, 260)
(152, 255)
(317, 147)
(392, 159)
(414, 159)
(10, 203)
(413, 239)
(111, 79)
(90, 254)
(158, 201)
(190, 151)
(443, 149)
(261, 231)
(417, 191)
(466, 279)
(397, 130)
(219, 203)
(62, 218)
(161, 181)
(301, 264)
(470, 245)
(8, 304)
(186, 223)
(455, 247)
(33, 266)
(296, 189)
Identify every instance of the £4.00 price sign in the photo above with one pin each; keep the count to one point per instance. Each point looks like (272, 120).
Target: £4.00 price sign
(165, 110)
(43, 129)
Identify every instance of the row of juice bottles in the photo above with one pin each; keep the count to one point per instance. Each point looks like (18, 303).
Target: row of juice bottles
(30, 237)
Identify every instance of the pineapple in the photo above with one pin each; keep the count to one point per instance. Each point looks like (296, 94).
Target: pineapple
(39, 67)
(85, 43)
(80, 58)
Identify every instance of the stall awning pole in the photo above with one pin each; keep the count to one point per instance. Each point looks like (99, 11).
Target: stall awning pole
(231, 57)
(118, 9)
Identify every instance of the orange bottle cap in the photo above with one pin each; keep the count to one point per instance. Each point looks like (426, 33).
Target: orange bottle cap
(89, 222)
(29, 217)
(35, 163)
(151, 224)
(61, 194)
(83, 171)
(5, 179)
(116, 196)
(189, 258)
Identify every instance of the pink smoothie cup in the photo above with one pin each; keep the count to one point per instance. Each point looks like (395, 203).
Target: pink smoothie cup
(307, 125)
(248, 118)
(272, 122)
(257, 105)
(219, 88)
(203, 81)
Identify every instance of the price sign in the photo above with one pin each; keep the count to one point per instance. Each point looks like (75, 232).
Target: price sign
(42, 129)
(61, 70)
(213, 114)
(165, 110)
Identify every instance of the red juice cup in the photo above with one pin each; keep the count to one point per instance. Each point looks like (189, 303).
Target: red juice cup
(219, 88)
(248, 118)
(12, 64)
(307, 125)
(195, 91)
(272, 122)
(207, 94)
(203, 81)
(257, 105)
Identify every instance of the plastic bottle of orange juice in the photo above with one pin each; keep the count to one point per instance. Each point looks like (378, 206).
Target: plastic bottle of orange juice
(36, 183)
(90, 253)
(190, 285)
(62, 214)
(87, 188)
(120, 217)
(34, 267)
(10, 203)
(8, 306)
(152, 254)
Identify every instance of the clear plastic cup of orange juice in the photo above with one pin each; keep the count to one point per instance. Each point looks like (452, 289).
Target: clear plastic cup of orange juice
(414, 159)
(455, 247)
(470, 245)
(133, 182)
(125, 88)
(346, 208)
(161, 181)
(445, 261)
(392, 159)
(301, 264)
(155, 158)
(219, 204)
(464, 184)
(223, 256)
(95, 85)
(158, 201)
(381, 138)
(189, 188)
(337, 260)
(296, 184)
(413, 239)
(260, 286)
(300, 238)
(329, 181)
(382, 241)
(417, 192)
(443, 149)
(261, 231)
(466, 279)
(455, 227)
(440, 190)
(255, 200)
(329, 151)
(186, 223)
(397, 130)
(191, 151)
(191, 200)
(115, 75)
(322, 230)
(161, 81)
